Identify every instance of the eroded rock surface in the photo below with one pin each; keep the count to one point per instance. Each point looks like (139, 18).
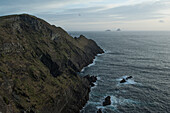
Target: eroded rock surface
(39, 64)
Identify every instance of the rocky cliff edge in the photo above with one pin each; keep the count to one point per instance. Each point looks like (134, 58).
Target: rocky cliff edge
(39, 64)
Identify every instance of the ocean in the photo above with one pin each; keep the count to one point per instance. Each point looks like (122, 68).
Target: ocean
(144, 55)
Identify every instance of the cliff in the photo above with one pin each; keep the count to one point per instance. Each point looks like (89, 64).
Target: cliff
(39, 64)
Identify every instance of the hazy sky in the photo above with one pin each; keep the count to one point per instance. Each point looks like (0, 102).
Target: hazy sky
(94, 15)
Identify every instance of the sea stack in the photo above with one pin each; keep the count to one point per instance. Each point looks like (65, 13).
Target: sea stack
(123, 80)
(99, 111)
(107, 101)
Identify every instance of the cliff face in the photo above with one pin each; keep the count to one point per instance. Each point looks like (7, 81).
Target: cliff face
(38, 65)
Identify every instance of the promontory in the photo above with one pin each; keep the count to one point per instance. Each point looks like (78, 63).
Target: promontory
(39, 64)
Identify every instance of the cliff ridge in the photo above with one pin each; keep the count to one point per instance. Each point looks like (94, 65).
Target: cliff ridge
(39, 64)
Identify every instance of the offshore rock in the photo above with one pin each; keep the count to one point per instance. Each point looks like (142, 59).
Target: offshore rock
(107, 101)
(123, 81)
(99, 111)
(129, 77)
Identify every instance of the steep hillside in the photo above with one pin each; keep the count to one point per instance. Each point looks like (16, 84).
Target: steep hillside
(39, 64)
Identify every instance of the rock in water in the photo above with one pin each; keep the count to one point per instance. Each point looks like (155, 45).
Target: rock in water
(107, 101)
(123, 81)
(129, 77)
(99, 111)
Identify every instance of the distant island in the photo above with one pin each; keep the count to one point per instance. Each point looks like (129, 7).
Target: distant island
(108, 30)
(39, 64)
(118, 29)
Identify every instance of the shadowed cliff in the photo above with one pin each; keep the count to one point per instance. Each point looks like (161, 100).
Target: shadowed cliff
(39, 64)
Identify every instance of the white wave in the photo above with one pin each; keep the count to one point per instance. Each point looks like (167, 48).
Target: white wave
(94, 103)
(95, 59)
(83, 69)
(93, 63)
(95, 83)
(130, 81)
(100, 107)
(98, 78)
(124, 91)
(121, 101)
(107, 51)
(114, 100)
(100, 54)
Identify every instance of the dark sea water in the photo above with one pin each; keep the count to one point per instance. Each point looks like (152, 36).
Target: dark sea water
(143, 55)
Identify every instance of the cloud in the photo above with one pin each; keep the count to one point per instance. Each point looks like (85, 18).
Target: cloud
(142, 11)
(89, 12)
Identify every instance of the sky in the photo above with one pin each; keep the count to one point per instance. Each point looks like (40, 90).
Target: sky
(95, 15)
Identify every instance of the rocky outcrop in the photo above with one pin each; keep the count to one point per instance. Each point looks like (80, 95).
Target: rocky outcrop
(107, 101)
(91, 79)
(123, 81)
(129, 77)
(99, 111)
(39, 64)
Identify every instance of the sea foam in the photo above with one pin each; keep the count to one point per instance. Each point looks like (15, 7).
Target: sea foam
(93, 63)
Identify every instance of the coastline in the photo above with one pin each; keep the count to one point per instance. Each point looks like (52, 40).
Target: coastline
(94, 60)
(83, 69)
(93, 63)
